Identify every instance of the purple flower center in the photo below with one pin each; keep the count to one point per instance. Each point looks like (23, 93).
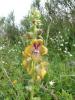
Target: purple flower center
(36, 48)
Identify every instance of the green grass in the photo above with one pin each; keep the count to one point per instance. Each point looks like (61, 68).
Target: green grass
(11, 69)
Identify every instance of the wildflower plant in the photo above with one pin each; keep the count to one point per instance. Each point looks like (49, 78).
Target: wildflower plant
(35, 51)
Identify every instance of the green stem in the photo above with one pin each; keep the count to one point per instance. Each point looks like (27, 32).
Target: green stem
(47, 34)
(6, 74)
(35, 33)
(32, 94)
(32, 83)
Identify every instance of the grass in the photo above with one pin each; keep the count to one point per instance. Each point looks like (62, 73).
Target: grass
(14, 79)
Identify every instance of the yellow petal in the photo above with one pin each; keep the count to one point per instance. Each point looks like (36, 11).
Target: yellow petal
(43, 50)
(44, 64)
(25, 64)
(40, 41)
(34, 41)
(14, 82)
(37, 41)
(38, 77)
(28, 51)
(42, 73)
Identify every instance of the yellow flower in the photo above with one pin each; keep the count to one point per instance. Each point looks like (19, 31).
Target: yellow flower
(26, 65)
(44, 64)
(42, 72)
(35, 49)
(38, 78)
(14, 82)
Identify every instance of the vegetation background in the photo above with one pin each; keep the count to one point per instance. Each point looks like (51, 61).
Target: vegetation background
(58, 25)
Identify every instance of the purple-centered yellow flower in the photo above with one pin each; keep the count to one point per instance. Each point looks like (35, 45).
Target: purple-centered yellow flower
(36, 49)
